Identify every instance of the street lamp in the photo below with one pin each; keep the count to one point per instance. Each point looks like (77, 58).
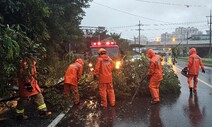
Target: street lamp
(173, 39)
(158, 39)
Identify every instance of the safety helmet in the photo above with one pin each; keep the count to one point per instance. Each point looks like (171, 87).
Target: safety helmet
(192, 51)
(102, 51)
(79, 60)
(150, 53)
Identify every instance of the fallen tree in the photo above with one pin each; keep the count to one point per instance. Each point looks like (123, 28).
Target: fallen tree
(126, 81)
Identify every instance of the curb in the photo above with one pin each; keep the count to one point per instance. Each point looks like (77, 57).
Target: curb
(59, 118)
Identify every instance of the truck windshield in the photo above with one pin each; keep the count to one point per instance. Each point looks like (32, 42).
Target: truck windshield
(113, 52)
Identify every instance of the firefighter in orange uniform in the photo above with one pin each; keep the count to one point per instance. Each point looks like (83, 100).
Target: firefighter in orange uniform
(72, 75)
(155, 74)
(194, 63)
(103, 69)
(29, 89)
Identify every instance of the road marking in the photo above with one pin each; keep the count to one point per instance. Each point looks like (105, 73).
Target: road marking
(205, 83)
(58, 118)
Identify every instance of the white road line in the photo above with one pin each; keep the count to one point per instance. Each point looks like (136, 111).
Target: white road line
(205, 83)
(58, 118)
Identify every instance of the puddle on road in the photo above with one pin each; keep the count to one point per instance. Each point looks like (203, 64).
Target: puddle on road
(139, 113)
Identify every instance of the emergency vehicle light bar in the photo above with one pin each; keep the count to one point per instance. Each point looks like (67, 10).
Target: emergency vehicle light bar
(103, 43)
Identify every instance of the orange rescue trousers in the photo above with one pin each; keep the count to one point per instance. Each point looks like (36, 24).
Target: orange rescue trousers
(195, 78)
(67, 90)
(154, 90)
(37, 99)
(104, 90)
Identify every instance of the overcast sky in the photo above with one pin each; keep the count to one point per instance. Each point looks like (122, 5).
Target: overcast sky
(156, 16)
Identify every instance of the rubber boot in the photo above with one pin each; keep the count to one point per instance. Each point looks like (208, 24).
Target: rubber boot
(22, 117)
(45, 114)
(190, 90)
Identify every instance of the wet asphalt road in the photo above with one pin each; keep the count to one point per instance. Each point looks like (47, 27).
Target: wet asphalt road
(183, 110)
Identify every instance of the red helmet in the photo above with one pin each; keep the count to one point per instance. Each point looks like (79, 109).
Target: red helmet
(102, 51)
(79, 60)
(150, 53)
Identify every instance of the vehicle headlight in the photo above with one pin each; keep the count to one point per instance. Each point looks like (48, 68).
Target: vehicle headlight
(91, 69)
(90, 64)
(118, 64)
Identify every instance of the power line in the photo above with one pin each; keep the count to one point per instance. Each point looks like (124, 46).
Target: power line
(125, 12)
(122, 26)
(170, 24)
(166, 23)
(173, 4)
(144, 29)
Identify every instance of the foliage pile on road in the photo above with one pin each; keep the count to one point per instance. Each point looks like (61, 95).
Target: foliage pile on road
(127, 80)
(55, 98)
(170, 83)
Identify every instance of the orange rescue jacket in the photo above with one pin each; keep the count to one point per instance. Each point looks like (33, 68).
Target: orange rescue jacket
(103, 68)
(73, 73)
(28, 75)
(155, 68)
(194, 63)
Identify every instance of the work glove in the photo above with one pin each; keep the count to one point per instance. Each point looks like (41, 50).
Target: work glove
(28, 87)
(94, 77)
(203, 71)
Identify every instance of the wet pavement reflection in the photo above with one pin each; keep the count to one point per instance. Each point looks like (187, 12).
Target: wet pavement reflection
(138, 114)
(155, 120)
(193, 111)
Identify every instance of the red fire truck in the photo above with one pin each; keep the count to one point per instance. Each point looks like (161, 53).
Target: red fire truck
(112, 50)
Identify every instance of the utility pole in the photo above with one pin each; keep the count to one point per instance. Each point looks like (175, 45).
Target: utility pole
(135, 39)
(210, 36)
(139, 35)
(209, 52)
(139, 40)
(165, 41)
(187, 48)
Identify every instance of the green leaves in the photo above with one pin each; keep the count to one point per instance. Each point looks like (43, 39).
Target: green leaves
(14, 45)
